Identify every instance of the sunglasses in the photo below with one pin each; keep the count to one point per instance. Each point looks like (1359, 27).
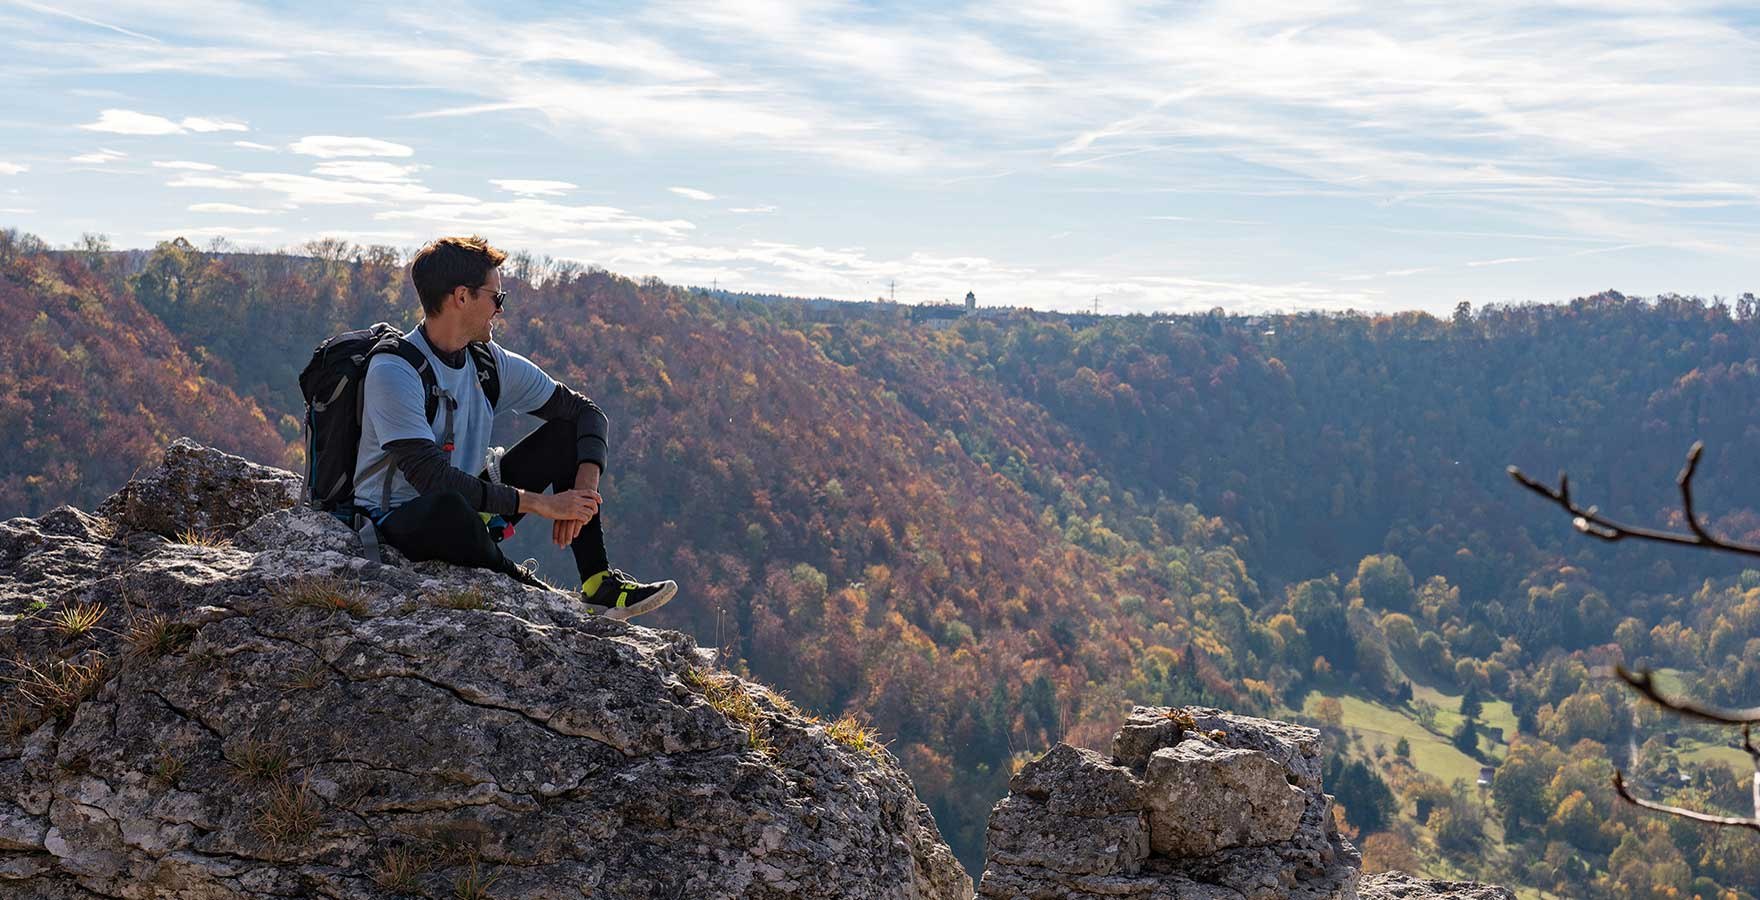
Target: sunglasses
(499, 296)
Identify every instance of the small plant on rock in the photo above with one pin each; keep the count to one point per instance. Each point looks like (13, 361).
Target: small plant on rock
(155, 634)
(398, 870)
(53, 689)
(326, 593)
(80, 618)
(851, 733)
(309, 678)
(289, 813)
(197, 538)
(167, 768)
(463, 598)
(728, 697)
(474, 885)
(261, 759)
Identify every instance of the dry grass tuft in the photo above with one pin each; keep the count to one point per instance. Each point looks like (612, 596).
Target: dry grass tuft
(398, 870)
(289, 813)
(728, 696)
(474, 885)
(851, 733)
(463, 598)
(53, 689)
(323, 592)
(309, 678)
(167, 768)
(155, 634)
(208, 539)
(80, 618)
(261, 759)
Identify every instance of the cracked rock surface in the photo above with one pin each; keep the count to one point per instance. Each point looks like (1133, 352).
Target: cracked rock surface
(1192, 804)
(273, 715)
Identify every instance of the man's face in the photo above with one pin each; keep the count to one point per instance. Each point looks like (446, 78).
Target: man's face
(479, 309)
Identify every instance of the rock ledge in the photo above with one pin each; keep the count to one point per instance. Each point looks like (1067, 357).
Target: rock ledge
(259, 711)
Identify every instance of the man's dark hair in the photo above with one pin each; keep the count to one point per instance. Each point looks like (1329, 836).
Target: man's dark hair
(448, 263)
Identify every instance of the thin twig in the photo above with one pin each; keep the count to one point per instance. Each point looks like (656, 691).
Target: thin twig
(1619, 784)
(1645, 684)
(1590, 521)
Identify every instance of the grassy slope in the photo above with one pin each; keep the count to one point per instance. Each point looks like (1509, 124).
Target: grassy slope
(1382, 726)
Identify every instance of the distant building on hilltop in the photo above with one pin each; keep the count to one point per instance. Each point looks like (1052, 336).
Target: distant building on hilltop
(971, 301)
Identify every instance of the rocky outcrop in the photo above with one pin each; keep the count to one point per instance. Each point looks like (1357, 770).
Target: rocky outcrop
(214, 694)
(1192, 804)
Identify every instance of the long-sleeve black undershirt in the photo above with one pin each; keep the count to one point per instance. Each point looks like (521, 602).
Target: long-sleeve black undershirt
(429, 468)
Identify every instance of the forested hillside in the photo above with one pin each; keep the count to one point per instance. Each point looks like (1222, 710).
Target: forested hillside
(988, 537)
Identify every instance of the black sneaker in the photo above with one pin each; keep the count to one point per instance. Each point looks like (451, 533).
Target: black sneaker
(615, 594)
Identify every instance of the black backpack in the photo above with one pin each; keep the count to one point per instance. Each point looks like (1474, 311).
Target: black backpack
(331, 384)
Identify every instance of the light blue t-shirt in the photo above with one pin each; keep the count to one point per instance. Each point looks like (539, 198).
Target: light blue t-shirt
(394, 411)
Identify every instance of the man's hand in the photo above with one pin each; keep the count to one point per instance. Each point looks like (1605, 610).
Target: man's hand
(577, 504)
(564, 531)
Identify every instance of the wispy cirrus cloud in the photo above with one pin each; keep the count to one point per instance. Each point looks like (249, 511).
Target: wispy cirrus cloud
(329, 146)
(11, 168)
(98, 157)
(534, 187)
(692, 193)
(227, 209)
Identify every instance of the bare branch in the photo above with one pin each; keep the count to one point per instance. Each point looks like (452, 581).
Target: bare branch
(1645, 683)
(1590, 521)
(1619, 784)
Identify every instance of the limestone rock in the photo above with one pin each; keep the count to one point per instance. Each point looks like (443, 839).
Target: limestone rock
(1193, 804)
(1203, 797)
(1400, 886)
(276, 715)
(200, 490)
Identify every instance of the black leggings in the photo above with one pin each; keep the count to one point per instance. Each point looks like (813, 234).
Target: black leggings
(444, 526)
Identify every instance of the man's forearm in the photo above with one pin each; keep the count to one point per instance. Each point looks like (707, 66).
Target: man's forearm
(429, 469)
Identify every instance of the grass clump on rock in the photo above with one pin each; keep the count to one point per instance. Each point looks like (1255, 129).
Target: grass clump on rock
(289, 813)
(727, 696)
(322, 592)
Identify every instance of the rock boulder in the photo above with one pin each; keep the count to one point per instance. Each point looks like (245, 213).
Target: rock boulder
(215, 695)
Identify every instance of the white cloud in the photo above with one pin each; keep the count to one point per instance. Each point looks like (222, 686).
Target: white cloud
(185, 165)
(7, 168)
(122, 121)
(533, 187)
(98, 157)
(1503, 261)
(692, 193)
(365, 170)
(326, 146)
(227, 208)
(751, 209)
(125, 121)
(207, 125)
(252, 145)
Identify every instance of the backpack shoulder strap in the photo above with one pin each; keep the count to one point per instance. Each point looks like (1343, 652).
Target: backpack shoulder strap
(488, 371)
(419, 361)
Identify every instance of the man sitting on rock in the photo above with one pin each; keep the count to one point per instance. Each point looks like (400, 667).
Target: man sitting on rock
(434, 488)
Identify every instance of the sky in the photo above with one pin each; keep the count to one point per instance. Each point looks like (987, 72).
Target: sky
(1134, 157)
